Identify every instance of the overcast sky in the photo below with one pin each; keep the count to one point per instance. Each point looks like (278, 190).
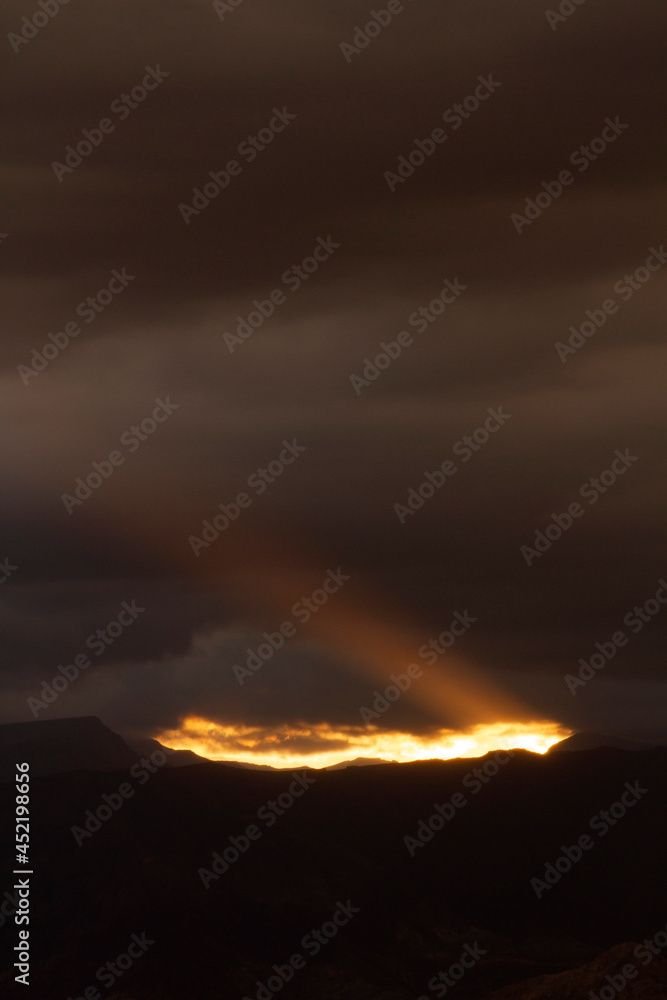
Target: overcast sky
(338, 120)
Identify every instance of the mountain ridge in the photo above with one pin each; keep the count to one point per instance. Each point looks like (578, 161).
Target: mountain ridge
(428, 877)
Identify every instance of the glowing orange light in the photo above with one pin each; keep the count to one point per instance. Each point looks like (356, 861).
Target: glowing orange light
(267, 567)
(322, 745)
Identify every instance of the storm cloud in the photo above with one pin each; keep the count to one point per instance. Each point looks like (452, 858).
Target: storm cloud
(328, 130)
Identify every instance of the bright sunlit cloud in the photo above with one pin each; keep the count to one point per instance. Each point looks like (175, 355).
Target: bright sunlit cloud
(322, 745)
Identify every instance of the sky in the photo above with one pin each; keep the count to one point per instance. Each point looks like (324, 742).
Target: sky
(503, 165)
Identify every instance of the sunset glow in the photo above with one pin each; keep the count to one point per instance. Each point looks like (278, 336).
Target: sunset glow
(322, 745)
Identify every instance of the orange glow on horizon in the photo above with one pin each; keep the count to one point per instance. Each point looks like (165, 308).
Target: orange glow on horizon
(264, 569)
(323, 745)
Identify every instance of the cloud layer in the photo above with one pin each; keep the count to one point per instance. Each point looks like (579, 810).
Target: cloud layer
(322, 178)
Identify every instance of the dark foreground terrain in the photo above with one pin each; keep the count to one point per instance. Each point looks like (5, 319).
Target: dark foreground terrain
(321, 882)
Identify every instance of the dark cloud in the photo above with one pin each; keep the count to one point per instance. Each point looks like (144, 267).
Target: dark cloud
(494, 347)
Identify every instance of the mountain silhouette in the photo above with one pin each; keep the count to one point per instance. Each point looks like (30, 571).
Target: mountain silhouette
(358, 762)
(56, 745)
(648, 982)
(590, 741)
(228, 870)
